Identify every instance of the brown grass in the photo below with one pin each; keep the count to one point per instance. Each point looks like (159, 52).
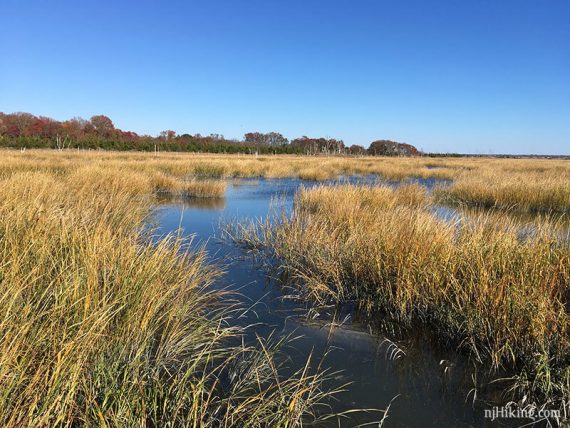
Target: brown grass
(531, 186)
(524, 184)
(487, 284)
(99, 327)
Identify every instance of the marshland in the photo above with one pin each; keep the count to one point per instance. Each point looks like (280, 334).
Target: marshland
(284, 213)
(224, 290)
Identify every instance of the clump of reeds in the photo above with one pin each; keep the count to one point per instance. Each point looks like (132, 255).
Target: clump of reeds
(483, 283)
(100, 327)
(204, 188)
(316, 174)
(534, 191)
(169, 185)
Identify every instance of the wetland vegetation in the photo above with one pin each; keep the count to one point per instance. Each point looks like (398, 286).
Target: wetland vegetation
(102, 324)
(478, 282)
(102, 327)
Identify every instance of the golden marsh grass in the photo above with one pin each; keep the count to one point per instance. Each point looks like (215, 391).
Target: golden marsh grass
(522, 184)
(99, 327)
(533, 188)
(486, 284)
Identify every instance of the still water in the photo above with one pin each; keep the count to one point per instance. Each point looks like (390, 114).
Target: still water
(426, 387)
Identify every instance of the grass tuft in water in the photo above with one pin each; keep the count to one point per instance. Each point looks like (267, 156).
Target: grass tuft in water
(482, 283)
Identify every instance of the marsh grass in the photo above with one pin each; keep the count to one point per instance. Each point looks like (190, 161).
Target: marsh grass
(525, 184)
(532, 190)
(204, 188)
(163, 184)
(479, 283)
(100, 327)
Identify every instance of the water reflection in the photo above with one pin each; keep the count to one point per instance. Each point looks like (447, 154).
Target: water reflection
(193, 202)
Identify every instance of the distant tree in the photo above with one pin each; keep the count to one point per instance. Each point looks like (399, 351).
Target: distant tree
(355, 149)
(22, 123)
(48, 127)
(332, 145)
(89, 129)
(391, 148)
(275, 139)
(270, 139)
(3, 126)
(312, 146)
(127, 136)
(74, 128)
(168, 135)
(36, 127)
(254, 138)
(103, 125)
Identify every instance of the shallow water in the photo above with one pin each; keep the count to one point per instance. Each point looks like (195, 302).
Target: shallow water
(427, 387)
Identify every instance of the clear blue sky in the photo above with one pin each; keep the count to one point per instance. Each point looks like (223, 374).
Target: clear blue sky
(477, 76)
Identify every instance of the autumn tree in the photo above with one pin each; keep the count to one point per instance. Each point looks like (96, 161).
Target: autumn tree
(74, 128)
(355, 149)
(47, 127)
(276, 139)
(22, 122)
(270, 139)
(312, 146)
(254, 138)
(103, 125)
(168, 135)
(391, 148)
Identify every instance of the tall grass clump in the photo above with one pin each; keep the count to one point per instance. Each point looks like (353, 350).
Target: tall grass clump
(99, 327)
(484, 284)
(204, 188)
(529, 190)
(163, 184)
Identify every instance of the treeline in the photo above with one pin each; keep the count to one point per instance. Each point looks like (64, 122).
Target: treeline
(24, 130)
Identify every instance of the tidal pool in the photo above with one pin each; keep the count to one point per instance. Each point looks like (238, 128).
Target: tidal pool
(424, 385)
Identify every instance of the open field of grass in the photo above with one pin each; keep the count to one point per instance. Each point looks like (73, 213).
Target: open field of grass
(99, 327)
(539, 185)
(489, 285)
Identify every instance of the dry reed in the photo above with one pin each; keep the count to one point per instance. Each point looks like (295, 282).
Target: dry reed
(100, 327)
(525, 184)
(485, 283)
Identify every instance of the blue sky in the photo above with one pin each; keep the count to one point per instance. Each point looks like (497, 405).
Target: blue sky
(472, 76)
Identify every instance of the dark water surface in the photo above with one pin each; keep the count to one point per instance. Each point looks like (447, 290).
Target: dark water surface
(427, 387)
